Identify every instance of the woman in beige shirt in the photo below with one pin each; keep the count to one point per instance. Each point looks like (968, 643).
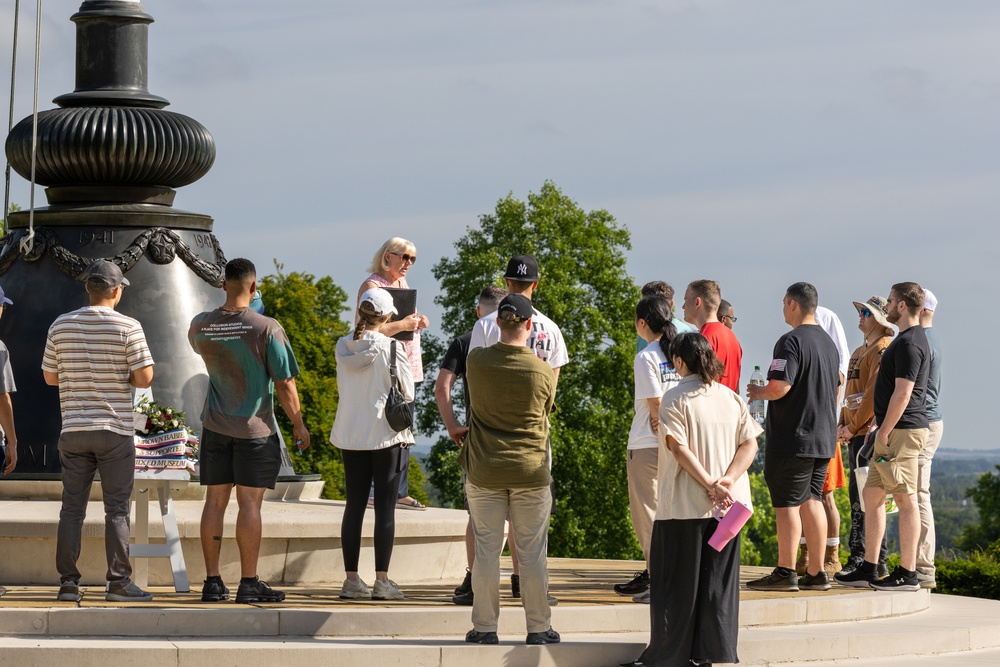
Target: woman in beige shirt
(707, 441)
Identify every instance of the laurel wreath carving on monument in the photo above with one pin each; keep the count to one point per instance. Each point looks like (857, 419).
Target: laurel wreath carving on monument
(162, 244)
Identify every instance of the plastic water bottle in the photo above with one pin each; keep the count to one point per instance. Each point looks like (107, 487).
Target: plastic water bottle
(757, 407)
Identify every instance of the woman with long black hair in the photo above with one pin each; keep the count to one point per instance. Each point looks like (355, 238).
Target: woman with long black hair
(707, 442)
(654, 374)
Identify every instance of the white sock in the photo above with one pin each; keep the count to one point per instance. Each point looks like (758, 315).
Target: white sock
(802, 540)
(833, 541)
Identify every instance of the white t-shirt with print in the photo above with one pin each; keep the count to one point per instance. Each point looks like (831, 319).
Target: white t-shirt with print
(546, 339)
(654, 374)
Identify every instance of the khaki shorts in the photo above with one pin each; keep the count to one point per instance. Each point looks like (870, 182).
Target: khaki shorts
(897, 471)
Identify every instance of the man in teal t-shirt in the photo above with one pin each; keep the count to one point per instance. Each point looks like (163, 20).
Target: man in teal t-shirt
(249, 360)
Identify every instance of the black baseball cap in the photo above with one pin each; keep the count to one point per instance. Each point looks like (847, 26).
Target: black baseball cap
(519, 307)
(105, 274)
(523, 268)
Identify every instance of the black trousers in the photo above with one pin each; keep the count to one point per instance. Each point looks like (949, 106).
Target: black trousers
(694, 595)
(361, 470)
(856, 542)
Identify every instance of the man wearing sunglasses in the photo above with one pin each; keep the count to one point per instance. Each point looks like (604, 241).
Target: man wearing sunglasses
(902, 429)
(856, 416)
(726, 314)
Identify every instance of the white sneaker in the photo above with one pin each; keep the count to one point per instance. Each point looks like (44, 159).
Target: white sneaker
(641, 598)
(386, 590)
(355, 589)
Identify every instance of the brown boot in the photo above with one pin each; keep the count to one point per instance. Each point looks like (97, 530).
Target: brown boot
(802, 564)
(831, 563)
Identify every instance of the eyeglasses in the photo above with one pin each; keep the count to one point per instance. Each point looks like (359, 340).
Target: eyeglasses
(730, 317)
(865, 312)
(403, 256)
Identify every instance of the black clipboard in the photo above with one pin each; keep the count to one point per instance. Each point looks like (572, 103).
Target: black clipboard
(405, 301)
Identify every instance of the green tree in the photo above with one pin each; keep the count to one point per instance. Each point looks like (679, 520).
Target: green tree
(984, 532)
(3, 221)
(759, 543)
(586, 290)
(310, 310)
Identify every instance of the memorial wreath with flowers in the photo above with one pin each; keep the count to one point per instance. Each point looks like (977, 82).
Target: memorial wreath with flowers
(162, 440)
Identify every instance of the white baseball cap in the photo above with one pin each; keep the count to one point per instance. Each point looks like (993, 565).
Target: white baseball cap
(381, 299)
(930, 301)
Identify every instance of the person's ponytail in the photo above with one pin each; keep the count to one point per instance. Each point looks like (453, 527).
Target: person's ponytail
(698, 355)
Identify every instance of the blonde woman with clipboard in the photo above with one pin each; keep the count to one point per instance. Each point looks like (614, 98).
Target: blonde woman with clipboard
(388, 270)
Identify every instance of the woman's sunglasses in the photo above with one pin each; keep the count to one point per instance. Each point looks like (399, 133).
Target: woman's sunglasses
(865, 312)
(403, 256)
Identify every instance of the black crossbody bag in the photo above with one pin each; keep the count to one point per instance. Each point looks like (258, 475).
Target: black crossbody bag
(397, 410)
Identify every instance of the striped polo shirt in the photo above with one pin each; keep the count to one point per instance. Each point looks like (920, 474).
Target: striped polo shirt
(94, 351)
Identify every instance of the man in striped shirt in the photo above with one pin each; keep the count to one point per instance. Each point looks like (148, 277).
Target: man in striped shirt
(95, 356)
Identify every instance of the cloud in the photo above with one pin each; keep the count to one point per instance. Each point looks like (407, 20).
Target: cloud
(903, 86)
(208, 65)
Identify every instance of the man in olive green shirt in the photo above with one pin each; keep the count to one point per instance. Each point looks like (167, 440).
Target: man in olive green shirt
(505, 458)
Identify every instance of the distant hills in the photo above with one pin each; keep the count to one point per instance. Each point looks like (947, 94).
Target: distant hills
(992, 456)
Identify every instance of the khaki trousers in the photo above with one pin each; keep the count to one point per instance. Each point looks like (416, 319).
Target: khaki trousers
(529, 520)
(926, 546)
(642, 493)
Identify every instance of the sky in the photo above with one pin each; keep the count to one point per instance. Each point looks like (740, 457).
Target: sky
(851, 145)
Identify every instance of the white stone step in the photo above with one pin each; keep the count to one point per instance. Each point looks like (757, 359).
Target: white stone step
(575, 651)
(985, 658)
(307, 612)
(954, 631)
(951, 624)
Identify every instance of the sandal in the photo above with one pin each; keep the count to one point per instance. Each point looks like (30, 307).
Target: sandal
(414, 504)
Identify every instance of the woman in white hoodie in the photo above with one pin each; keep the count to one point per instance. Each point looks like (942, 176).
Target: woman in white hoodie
(371, 448)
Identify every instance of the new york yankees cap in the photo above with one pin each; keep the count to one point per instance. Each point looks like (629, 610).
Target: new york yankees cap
(523, 268)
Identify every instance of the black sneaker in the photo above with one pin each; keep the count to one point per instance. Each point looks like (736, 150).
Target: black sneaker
(463, 600)
(255, 590)
(851, 565)
(899, 580)
(857, 578)
(882, 570)
(214, 590)
(515, 591)
(69, 591)
(815, 582)
(466, 586)
(475, 637)
(638, 585)
(550, 636)
(776, 581)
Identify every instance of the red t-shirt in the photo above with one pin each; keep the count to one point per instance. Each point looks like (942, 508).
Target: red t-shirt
(727, 349)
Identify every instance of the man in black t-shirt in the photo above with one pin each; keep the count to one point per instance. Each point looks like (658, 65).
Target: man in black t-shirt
(801, 428)
(901, 420)
(452, 368)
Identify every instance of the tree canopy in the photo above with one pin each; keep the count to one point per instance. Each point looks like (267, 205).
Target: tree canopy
(986, 531)
(586, 290)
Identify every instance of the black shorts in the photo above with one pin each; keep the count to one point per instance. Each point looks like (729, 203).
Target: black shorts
(792, 480)
(251, 462)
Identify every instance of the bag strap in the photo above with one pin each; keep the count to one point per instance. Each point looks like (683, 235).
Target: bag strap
(392, 364)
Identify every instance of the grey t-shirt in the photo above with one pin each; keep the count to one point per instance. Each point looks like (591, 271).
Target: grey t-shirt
(933, 377)
(6, 375)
